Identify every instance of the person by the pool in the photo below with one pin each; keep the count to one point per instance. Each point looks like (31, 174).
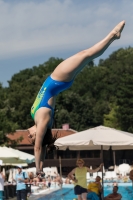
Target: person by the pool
(114, 195)
(78, 175)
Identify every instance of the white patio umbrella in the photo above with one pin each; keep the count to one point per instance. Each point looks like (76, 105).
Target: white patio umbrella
(12, 158)
(26, 157)
(93, 138)
(9, 157)
(18, 162)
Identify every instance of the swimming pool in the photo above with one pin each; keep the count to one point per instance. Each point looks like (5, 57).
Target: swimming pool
(67, 193)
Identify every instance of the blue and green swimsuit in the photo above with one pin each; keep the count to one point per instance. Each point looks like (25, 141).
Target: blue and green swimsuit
(49, 89)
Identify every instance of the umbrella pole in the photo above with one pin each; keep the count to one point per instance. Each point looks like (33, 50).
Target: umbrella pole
(114, 158)
(60, 169)
(102, 172)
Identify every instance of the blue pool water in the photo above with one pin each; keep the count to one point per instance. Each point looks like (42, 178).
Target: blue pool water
(67, 193)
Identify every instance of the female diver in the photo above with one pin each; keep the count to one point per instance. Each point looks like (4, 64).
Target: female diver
(61, 79)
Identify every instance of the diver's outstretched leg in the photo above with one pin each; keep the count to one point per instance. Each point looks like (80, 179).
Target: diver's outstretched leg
(70, 67)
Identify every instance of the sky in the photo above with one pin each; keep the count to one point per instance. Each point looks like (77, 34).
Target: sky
(32, 31)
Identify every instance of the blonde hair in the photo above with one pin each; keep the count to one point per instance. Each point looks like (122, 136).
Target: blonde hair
(80, 160)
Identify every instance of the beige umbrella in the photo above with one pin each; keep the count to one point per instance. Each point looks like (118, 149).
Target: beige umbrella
(14, 157)
(25, 157)
(23, 164)
(93, 138)
(9, 157)
(5, 155)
